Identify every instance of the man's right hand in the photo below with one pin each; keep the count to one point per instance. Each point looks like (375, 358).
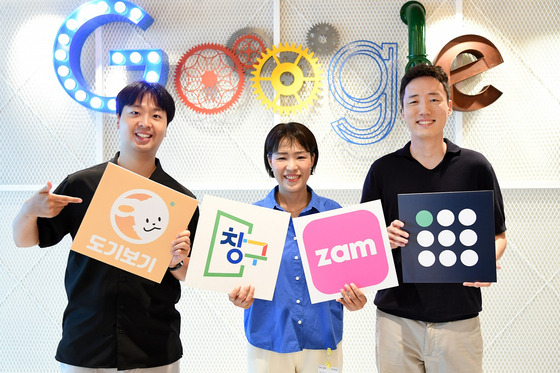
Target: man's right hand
(42, 204)
(45, 204)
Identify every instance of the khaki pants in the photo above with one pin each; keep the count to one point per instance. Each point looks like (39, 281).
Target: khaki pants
(305, 361)
(405, 345)
(171, 368)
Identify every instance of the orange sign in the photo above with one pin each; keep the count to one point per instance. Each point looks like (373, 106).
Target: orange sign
(131, 223)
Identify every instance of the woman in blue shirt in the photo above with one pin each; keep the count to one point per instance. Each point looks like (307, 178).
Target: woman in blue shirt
(289, 334)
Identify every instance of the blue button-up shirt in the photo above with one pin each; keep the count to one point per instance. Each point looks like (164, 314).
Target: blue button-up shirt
(290, 323)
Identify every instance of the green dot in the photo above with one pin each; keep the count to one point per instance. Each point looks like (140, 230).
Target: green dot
(172, 204)
(424, 218)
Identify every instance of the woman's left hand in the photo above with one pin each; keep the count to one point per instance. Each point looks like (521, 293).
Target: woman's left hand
(352, 298)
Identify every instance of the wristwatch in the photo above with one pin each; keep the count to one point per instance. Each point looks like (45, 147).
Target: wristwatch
(179, 265)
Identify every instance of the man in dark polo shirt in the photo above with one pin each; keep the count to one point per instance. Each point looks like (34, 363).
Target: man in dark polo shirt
(115, 319)
(429, 327)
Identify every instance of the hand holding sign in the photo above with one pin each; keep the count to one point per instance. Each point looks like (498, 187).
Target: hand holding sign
(132, 222)
(237, 245)
(345, 246)
(451, 237)
(352, 298)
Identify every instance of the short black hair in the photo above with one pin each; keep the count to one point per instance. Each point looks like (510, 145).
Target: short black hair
(136, 91)
(291, 132)
(421, 70)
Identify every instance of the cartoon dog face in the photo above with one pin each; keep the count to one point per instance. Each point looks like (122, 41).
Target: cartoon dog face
(139, 216)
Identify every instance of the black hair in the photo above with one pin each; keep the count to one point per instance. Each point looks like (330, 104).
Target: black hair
(421, 70)
(291, 132)
(136, 91)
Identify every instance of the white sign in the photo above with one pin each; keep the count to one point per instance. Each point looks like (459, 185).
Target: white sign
(237, 244)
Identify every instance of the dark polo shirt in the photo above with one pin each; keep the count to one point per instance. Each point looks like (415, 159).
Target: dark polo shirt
(398, 172)
(114, 319)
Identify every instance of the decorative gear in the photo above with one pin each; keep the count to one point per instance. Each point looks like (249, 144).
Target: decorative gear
(323, 39)
(248, 48)
(287, 82)
(248, 31)
(209, 78)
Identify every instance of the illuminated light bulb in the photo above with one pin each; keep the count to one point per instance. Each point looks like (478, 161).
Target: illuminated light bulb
(118, 58)
(120, 7)
(152, 77)
(63, 70)
(96, 102)
(80, 95)
(72, 24)
(63, 39)
(135, 57)
(112, 104)
(86, 13)
(153, 57)
(60, 55)
(135, 15)
(69, 84)
(102, 7)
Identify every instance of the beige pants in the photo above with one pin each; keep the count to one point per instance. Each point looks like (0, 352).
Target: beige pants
(405, 345)
(305, 361)
(171, 368)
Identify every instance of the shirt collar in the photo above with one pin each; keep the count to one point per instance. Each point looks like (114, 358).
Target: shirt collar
(452, 149)
(156, 172)
(270, 201)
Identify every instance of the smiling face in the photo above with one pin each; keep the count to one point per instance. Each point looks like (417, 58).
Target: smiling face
(139, 216)
(291, 165)
(425, 108)
(149, 223)
(142, 127)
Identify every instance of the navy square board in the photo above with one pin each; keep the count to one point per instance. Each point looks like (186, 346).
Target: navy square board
(451, 237)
